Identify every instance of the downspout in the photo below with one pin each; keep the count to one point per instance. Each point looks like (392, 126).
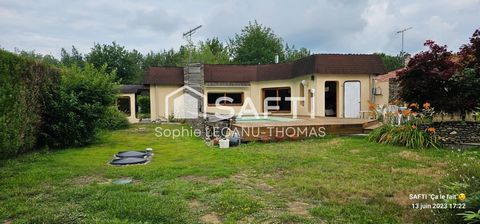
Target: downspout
(372, 90)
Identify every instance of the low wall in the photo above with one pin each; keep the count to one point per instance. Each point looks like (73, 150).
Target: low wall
(209, 127)
(457, 132)
(393, 90)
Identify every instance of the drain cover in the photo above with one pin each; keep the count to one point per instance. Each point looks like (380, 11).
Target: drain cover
(122, 181)
(137, 154)
(128, 160)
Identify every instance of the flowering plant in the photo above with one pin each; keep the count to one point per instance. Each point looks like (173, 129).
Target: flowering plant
(401, 125)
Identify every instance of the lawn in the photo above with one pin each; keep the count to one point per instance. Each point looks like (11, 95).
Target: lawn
(331, 179)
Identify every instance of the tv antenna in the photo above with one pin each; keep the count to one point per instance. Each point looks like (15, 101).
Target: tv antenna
(188, 36)
(403, 33)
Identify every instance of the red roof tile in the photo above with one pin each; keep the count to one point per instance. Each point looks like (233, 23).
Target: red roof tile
(388, 76)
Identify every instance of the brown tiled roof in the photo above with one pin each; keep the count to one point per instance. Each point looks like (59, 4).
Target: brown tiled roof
(319, 63)
(274, 71)
(349, 64)
(164, 76)
(230, 73)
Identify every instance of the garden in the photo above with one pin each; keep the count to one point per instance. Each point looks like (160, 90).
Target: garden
(439, 109)
(60, 128)
(331, 179)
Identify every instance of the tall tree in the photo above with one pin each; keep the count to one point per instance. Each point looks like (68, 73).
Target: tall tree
(165, 58)
(292, 54)
(153, 59)
(470, 53)
(73, 58)
(48, 59)
(256, 44)
(391, 62)
(450, 82)
(426, 76)
(467, 80)
(127, 64)
(212, 51)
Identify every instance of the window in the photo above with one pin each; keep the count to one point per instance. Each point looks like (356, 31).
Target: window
(282, 93)
(237, 98)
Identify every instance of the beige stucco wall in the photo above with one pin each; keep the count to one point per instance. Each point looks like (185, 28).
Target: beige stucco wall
(254, 91)
(157, 100)
(365, 91)
(382, 99)
(293, 84)
(133, 116)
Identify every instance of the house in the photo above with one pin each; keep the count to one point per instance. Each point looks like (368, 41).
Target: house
(126, 101)
(332, 85)
(389, 84)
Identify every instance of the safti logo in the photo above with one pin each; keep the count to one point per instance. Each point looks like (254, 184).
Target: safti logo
(187, 105)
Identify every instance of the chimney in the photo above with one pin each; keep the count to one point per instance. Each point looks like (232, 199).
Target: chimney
(406, 59)
(193, 77)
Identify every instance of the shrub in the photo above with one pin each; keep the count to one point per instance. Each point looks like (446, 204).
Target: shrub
(75, 111)
(471, 217)
(24, 83)
(405, 135)
(448, 80)
(113, 119)
(144, 103)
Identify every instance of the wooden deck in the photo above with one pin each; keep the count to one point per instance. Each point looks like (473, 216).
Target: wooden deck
(305, 127)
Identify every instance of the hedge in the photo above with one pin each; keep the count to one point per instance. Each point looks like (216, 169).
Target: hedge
(54, 107)
(24, 83)
(80, 107)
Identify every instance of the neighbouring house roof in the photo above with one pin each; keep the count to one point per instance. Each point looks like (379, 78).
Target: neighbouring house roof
(132, 88)
(388, 76)
(318, 63)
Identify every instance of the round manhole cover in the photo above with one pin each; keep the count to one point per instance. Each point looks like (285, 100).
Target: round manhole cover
(128, 160)
(137, 154)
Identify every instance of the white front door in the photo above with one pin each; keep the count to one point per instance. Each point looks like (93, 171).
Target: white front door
(351, 99)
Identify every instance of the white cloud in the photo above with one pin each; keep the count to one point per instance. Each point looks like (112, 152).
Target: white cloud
(377, 33)
(320, 25)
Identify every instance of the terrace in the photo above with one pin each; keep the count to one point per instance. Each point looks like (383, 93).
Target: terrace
(280, 128)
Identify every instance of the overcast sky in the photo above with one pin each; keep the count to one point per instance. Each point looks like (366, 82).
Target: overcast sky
(322, 26)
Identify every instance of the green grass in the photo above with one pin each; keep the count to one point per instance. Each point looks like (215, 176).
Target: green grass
(332, 179)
